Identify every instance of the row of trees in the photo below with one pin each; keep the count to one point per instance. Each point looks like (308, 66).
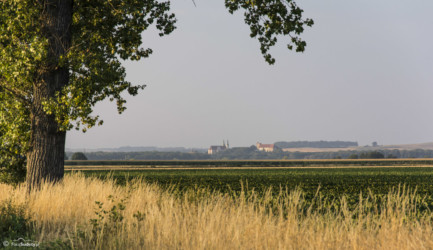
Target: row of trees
(155, 155)
(250, 153)
(316, 144)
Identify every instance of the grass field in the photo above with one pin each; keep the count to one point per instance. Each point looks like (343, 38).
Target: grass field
(335, 207)
(88, 213)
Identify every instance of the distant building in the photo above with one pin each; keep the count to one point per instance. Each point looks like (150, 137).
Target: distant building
(216, 149)
(265, 147)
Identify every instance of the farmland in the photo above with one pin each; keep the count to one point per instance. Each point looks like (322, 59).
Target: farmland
(331, 178)
(252, 163)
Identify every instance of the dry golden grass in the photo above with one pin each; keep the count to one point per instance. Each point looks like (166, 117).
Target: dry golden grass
(157, 219)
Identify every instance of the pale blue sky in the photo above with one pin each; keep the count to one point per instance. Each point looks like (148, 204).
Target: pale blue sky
(366, 75)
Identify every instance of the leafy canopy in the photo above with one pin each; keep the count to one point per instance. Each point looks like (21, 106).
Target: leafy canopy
(269, 19)
(104, 33)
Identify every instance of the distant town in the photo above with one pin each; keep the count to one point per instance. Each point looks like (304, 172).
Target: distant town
(261, 147)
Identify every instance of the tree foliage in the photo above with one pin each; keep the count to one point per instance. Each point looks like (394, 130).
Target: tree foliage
(269, 19)
(103, 34)
(14, 132)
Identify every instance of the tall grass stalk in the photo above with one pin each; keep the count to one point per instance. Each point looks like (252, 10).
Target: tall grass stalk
(87, 213)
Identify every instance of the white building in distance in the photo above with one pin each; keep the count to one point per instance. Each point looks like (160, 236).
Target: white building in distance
(265, 147)
(216, 149)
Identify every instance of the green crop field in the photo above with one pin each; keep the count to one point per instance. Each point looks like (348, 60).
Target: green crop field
(254, 163)
(331, 182)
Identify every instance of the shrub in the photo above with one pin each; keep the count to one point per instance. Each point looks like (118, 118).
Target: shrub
(78, 156)
(13, 222)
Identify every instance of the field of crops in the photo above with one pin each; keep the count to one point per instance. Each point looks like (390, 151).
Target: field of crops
(331, 182)
(254, 163)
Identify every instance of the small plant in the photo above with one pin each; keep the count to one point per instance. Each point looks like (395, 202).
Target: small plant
(98, 222)
(139, 216)
(115, 214)
(103, 226)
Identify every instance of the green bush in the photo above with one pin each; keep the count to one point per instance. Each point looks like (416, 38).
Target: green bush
(78, 156)
(14, 223)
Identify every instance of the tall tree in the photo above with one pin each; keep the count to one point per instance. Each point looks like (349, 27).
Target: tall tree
(60, 57)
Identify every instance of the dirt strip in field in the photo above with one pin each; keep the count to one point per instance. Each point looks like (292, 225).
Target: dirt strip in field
(126, 167)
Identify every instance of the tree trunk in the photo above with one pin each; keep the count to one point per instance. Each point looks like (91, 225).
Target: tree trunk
(45, 159)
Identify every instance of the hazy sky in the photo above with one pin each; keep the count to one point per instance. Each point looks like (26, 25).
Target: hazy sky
(366, 75)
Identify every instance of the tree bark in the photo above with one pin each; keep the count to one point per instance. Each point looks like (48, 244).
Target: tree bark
(45, 159)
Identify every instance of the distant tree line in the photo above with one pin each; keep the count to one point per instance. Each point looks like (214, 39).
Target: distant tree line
(151, 149)
(316, 144)
(251, 153)
(155, 155)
